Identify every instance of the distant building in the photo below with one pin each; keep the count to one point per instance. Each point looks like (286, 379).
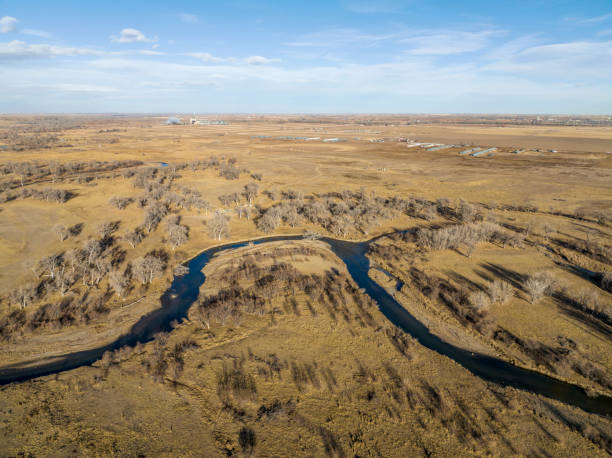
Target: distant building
(207, 122)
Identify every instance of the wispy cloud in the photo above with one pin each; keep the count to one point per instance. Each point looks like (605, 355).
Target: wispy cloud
(259, 60)
(445, 43)
(7, 24)
(590, 20)
(36, 33)
(189, 18)
(570, 61)
(149, 52)
(16, 50)
(340, 37)
(132, 36)
(207, 57)
(251, 60)
(369, 7)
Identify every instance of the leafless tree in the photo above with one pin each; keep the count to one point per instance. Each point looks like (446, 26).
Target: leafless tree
(202, 204)
(204, 315)
(56, 170)
(218, 226)
(147, 268)
(250, 192)
(61, 231)
(153, 215)
(500, 291)
(98, 269)
(118, 281)
(93, 249)
(106, 229)
(50, 265)
(133, 237)
(24, 295)
(177, 235)
(480, 301)
(270, 220)
(548, 229)
(226, 199)
(539, 284)
(63, 281)
(120, 202)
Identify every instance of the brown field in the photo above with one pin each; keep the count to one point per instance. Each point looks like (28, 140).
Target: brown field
(317, 380)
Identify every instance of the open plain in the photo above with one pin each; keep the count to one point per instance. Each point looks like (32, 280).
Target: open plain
(507, 253)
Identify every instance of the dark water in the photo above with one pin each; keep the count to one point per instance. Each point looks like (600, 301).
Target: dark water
(185, 290)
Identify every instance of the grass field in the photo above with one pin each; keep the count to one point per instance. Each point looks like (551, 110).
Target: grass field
(302, 377)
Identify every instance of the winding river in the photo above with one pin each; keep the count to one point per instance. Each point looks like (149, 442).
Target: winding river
(184, 291)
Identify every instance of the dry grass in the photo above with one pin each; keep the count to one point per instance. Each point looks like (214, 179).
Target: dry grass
(324, 383)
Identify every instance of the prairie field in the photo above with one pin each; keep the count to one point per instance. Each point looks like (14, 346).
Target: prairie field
(507, 254)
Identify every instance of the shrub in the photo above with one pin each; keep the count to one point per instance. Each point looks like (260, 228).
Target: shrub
(500, 291)
(539, 284)
(236, 382)
(480, 301)
(247, 439)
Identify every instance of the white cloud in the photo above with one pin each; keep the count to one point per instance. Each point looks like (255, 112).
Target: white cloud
(36, 33)
(148, 52)
(207, 57)
(446, 43)
(14, 50)
(368, 7)
(210, 58)
(591, 20)
(7, 24)
(577, 60)
(188, 18)
(131, 36)
(340, 37)
(259, 60)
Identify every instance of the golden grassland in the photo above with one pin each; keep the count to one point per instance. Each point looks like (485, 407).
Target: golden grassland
(136, 414)
(322, 385)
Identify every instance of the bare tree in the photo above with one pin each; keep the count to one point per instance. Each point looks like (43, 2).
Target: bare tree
(225, 199)
(50, 265)
(93, 249)
(106, 229)
(153, 216)
(250, 192)
(480, 301)
(500, 291)
(202, 204)
(120, 202)
(548, 229)
(204, 315)
(24, 295)
(218, 226)
(177, 235)
(539, 284)
(118, 281)
(63, 281)
(270, 220)
(133, 237)
(61, 231)
(147, 268)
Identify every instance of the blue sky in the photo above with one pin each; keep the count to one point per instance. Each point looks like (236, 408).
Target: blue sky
(347, 56)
